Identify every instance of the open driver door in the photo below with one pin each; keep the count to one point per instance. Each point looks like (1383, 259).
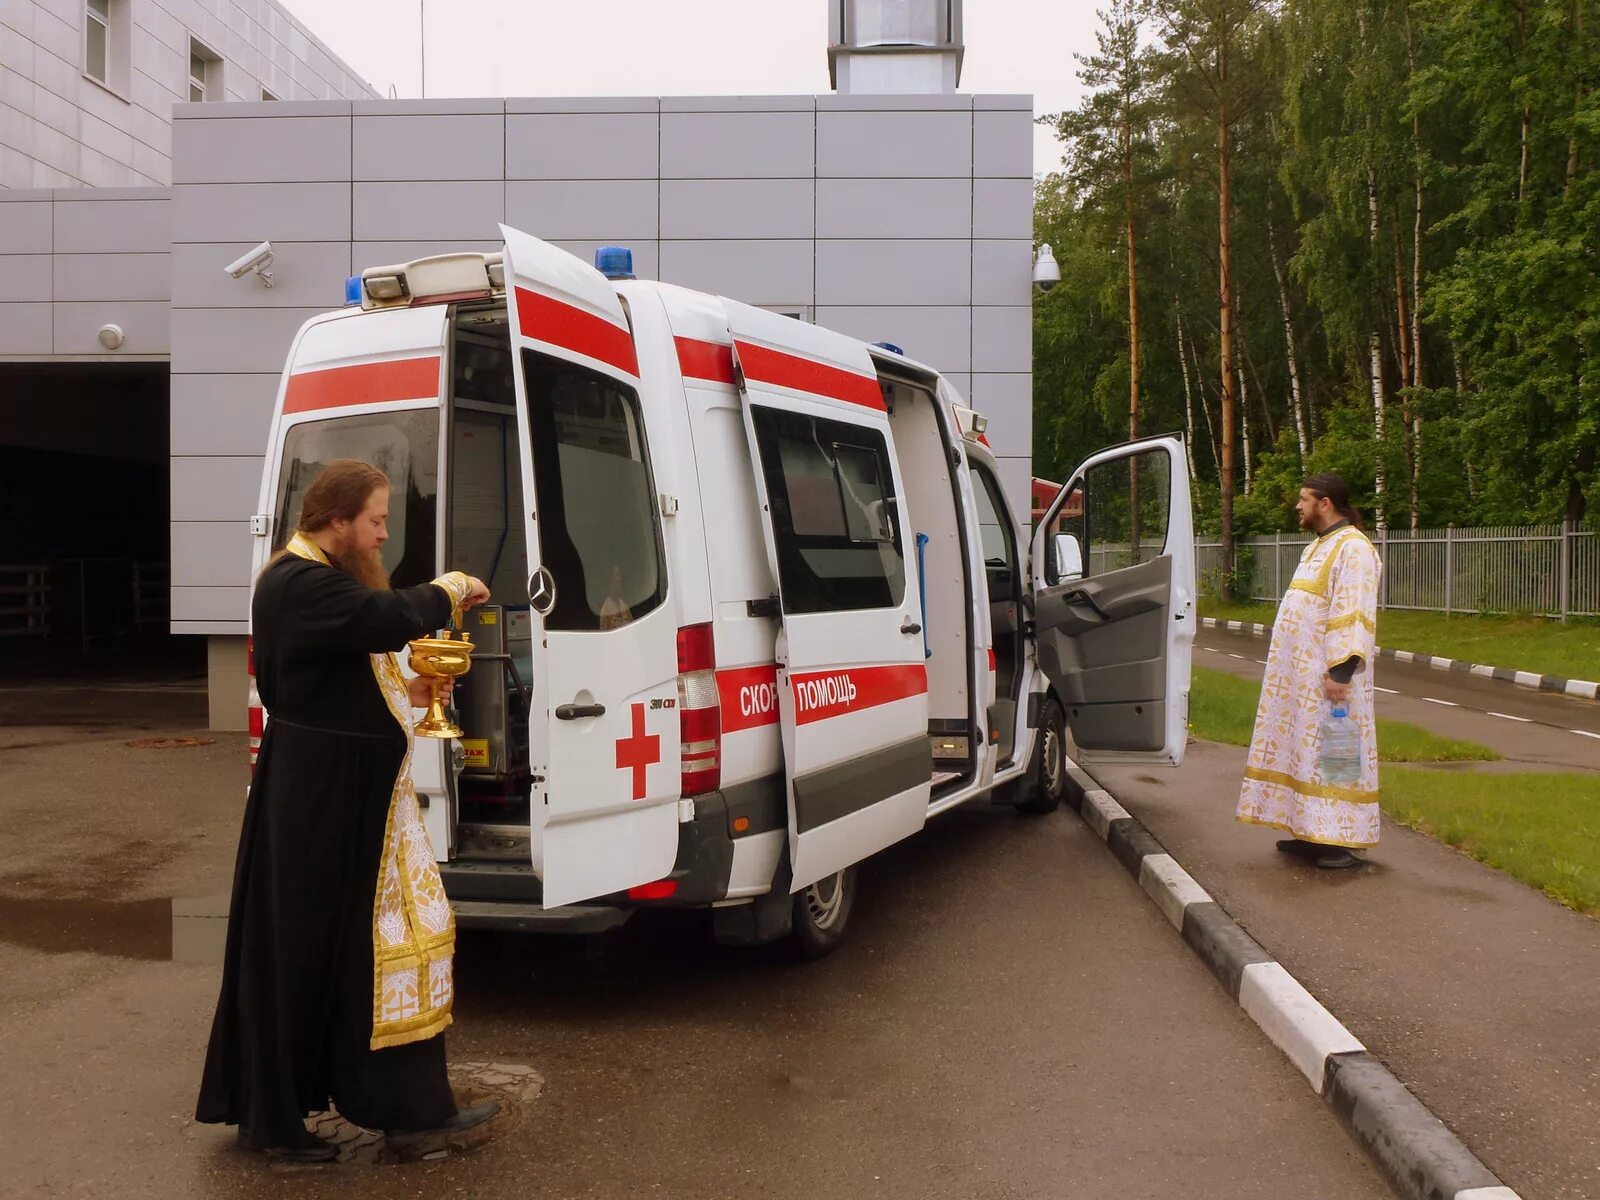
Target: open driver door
(1113, 573)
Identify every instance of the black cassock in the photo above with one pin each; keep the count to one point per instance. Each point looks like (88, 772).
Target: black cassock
(295, 1015)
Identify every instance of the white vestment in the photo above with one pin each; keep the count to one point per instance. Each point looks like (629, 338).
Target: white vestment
(1328, 615)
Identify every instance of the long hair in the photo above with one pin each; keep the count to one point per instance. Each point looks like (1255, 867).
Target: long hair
(339, 493)
(1333, 488)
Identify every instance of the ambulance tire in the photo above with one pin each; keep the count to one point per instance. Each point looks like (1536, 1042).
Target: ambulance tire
(822, 915)
(1046, 781)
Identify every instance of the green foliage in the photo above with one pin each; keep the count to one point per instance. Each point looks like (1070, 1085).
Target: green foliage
(1341, 112)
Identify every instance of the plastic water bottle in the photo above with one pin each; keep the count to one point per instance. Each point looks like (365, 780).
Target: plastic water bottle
(1339, 759)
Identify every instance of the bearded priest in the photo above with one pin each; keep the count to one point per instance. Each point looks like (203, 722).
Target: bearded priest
(337, 982)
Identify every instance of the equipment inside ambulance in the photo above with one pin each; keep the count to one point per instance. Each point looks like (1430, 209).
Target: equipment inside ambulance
(760, 607)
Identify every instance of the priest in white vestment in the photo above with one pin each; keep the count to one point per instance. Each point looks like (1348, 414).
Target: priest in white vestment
(1321, 655)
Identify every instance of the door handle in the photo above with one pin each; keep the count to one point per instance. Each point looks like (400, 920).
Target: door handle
(1082, 596)
(572, 712)
(910, 626)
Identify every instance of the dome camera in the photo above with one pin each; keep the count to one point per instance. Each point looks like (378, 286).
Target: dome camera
(1046, 271)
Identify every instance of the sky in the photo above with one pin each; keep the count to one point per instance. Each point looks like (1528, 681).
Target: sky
(677, 48)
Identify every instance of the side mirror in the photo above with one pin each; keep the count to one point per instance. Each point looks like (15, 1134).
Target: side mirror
(1068, 558)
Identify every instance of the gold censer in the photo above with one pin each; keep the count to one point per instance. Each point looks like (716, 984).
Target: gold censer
(437, 659)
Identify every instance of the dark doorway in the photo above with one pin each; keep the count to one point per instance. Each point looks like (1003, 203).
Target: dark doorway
(84, 538)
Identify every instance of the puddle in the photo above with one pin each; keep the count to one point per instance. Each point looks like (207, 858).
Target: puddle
(116, 928)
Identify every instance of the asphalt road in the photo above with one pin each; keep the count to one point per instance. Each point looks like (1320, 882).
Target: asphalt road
(1012, 1018)
(1534, 731)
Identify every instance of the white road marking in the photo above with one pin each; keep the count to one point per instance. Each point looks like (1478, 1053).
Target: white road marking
(1231, 654)
(1211, 650)
(1385, 691)
(1260, 662)
(1509, 717)
(1446, 703)
(1585, 733)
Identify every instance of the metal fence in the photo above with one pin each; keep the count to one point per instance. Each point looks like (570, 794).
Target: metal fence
(1539, 570)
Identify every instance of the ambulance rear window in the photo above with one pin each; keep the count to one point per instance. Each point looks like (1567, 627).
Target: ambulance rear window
(404, 445)
(833, 513)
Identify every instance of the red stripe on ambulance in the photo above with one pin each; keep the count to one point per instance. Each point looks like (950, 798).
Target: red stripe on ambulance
(823, 694)
(749, 697)
(363, 383)
(705, 360)
(547, 319)
(764, 365)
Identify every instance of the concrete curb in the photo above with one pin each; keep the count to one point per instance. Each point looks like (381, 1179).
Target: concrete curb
(1412, 1148)
(1584, 689)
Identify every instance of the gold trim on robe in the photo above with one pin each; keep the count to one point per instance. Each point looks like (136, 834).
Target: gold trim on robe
(413, 926)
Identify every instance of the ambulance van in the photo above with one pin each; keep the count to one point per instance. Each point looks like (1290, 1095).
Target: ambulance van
(760, 606)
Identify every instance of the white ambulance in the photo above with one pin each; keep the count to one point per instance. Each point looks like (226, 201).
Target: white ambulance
(760, 607)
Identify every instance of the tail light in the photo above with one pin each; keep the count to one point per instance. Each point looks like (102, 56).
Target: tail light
(699, 711)
(257, 717)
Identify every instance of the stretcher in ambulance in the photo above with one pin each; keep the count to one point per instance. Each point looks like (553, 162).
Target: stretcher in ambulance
(760, 605)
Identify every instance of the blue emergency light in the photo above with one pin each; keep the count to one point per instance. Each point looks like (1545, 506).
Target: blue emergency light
(890, 347)
(614, 262)
(352, 289)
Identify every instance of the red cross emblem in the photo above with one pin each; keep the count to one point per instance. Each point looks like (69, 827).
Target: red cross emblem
(638, 751)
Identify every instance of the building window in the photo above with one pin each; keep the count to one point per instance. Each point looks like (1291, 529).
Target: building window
(97, 40)
(205, 74)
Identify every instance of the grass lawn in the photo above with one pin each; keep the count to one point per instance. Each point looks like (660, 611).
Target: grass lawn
(1521, 643)
(1222, 708)
(1541, 829)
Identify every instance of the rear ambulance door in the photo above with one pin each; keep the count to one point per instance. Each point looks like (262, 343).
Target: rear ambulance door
(852, 685)
(603, 728)
(368, 385)
(1114, 602)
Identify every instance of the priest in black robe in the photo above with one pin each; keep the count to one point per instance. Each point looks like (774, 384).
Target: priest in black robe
(337, 982)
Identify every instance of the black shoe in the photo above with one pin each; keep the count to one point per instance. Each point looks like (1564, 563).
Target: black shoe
(314, 1151)
(465, 1118)
(1299, 849)
(1336, 859)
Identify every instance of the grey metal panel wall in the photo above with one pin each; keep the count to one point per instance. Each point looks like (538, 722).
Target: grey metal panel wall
(74, 259)
(906, 219)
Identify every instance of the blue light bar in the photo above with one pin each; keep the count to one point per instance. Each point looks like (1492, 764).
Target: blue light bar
(352, 289)
(890, 347)
(614, 262)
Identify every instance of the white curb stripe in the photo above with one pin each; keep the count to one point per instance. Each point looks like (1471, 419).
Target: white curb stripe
(1480, 669)
(1442, 664)
(1306, 1032)
(1529, 679)
(1488, 1193)
(1100, 810)
(1584, 688)
(1170, 886)
(1403, 655)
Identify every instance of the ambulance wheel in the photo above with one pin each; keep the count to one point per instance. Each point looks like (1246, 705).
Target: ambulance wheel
(1047, 779)
(822, 914)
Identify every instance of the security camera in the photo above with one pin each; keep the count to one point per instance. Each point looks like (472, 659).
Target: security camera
(254, 261)
(1046, 271)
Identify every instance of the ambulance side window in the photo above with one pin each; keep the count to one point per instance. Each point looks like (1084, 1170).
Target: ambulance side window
(833, 513)
(599, 533)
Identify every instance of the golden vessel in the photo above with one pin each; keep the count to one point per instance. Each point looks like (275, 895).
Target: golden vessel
(437, 659)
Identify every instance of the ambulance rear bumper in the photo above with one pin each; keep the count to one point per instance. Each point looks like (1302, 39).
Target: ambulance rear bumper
(535, 918)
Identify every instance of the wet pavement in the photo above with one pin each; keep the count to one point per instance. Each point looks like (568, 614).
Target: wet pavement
(1011, 1018)
(1478, 992)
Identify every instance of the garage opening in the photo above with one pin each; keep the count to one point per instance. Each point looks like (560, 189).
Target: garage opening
(84, 538)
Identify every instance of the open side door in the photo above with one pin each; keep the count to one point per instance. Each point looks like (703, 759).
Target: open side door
(852, 685)
(1113, 575)
(603, 738)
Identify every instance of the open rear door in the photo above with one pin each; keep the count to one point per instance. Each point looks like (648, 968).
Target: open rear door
(1114, 602)
(603, 726)
(852, 687)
